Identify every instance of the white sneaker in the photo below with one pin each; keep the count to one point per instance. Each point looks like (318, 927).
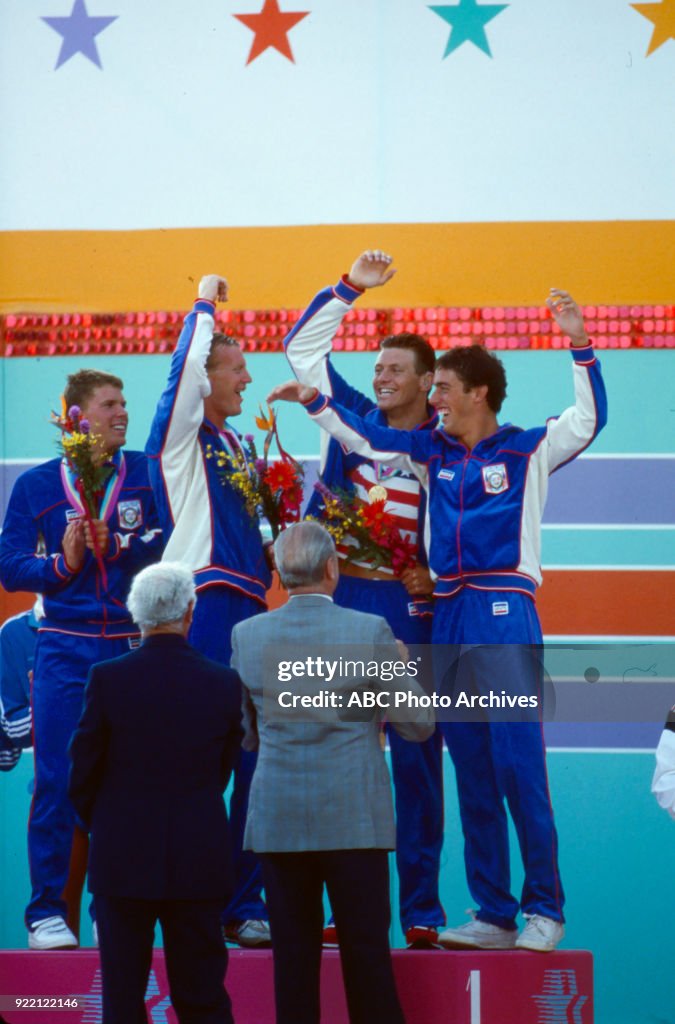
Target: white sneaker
(477, 935)
(250, 933)
(541, 934)
(51, 933)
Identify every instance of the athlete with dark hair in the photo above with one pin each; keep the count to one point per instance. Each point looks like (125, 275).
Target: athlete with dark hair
(487, 488)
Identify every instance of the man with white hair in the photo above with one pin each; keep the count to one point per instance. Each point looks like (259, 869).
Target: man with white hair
(151, 757)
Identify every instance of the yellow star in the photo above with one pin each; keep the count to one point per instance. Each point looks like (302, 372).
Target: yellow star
(663, 16)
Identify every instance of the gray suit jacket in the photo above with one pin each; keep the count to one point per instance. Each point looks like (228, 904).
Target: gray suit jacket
(321, 782)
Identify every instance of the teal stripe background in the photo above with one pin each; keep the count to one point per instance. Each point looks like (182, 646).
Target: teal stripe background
(639, 385)
(579, 547)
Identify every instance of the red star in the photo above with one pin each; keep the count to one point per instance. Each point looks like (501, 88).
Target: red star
(271, 28)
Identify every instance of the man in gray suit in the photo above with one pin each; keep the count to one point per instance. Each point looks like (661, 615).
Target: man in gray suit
(318, 679)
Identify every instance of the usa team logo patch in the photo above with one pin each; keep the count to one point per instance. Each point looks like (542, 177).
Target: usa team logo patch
(495, 478)
(130, 514)
(446, 474)
(72, 514)
(500, 607)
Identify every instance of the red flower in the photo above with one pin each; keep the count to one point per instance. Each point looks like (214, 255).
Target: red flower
(280, 476)
(402, 554)
(376, 520)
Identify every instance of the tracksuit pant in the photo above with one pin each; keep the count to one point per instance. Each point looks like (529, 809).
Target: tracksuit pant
(491, 641)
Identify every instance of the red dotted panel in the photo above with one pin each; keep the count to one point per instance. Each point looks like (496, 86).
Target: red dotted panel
(263, 330)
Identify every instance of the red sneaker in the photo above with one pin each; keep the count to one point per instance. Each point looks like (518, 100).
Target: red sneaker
(421, 936)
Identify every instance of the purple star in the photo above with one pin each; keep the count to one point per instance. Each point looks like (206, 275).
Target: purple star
(79, 31)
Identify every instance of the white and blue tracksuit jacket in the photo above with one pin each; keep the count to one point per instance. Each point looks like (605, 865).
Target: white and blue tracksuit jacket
(308, 348)
(485, 504)
(205, 521)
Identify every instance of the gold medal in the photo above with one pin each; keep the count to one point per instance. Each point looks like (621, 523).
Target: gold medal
(377, 493)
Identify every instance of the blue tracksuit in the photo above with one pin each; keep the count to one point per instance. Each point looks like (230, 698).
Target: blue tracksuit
(18, 637)
(84, 622)
(208, 528)
(416, 767)
(17, 640)
(485, 511)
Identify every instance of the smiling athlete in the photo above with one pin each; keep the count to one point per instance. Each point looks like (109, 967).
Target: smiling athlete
(487, 487)
(47, 547)
(209, 529)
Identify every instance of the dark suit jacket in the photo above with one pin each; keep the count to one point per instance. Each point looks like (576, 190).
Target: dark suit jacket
(151, 756)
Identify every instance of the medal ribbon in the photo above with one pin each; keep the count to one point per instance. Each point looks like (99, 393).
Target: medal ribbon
(72, 485)
(234, 448)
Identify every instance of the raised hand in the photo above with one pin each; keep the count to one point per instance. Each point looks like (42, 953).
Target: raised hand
(372, 269)
(568, 316)
(291, 391)
(213, 287)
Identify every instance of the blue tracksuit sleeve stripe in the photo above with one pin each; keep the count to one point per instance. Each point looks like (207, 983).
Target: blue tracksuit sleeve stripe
(309, 344)
(172, 443)
(406, 449)
(346, 395)
(179, 410)
(571, 433)
(20, 567)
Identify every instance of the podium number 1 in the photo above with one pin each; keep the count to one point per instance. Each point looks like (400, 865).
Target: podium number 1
(473, 987)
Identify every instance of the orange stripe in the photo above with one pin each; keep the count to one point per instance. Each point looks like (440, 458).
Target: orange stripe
(607, 602)
(593, 602)
(14, 604)
(439, 264)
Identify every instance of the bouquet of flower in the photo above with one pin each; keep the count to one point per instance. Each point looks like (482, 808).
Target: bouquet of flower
(269, 488)
(378, 539)
(88, 463)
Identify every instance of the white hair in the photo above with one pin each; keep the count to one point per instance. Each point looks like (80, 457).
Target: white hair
(301, 552)
(161, 594)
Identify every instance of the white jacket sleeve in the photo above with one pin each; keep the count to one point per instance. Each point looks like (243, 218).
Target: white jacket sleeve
(309, 345)
(571, 433)
(663, 783)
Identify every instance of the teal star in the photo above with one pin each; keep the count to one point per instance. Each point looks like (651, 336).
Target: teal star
(468, 20)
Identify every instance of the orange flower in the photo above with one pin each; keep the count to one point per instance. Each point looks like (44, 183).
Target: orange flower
(265, 423)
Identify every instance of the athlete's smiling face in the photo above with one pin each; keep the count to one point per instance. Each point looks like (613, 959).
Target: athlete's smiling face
(454, 402)
(106, 410)
(397, 384)
(228, 377)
